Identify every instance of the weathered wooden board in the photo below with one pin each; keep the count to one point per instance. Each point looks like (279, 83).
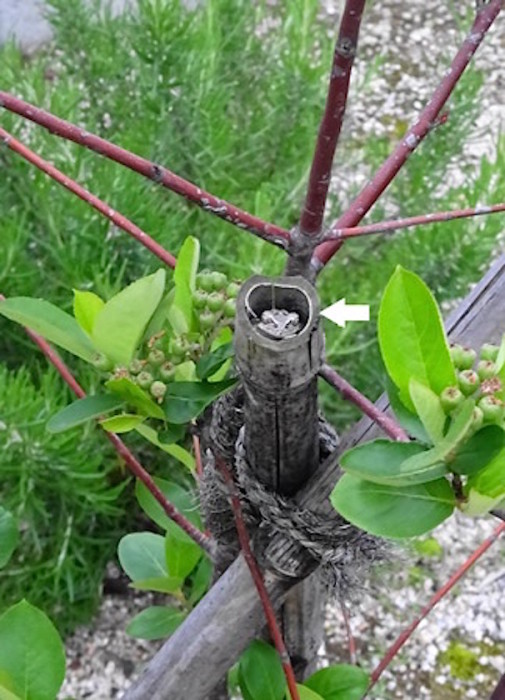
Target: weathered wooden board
(213, 636)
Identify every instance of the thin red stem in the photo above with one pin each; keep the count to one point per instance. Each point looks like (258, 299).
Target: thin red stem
(257, 577)
(351, 642)
(320, 175)
(436, 598)
(421, 220)
(157, 173)
(388, 424)
(117, 219)
(205, 542)
(390, 168)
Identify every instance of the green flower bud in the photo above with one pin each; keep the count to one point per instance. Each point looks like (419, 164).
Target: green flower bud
(492, 408)
(451, 398)
(215, 302)
(207, 320)
(232, 290)
(178, 347)
(158, 390)
(477, 419)
(156, 357)
(200, 299)
(468, 381)
(468, 357)
(230, 308)
(489, 352)
(219, 281)
(486, 369)
(145, 379)
(101, 362)
(204, 281)
(136, 366)
(167, 371)
(456, 352)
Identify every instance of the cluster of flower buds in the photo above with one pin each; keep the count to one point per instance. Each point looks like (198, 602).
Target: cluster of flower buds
(482, 383)
(214, 299)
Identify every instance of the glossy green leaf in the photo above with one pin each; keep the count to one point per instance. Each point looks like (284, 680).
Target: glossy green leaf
(490, 481)
(461, 424)
(160, 584)
(185, 501)
(500, 359)
(429, 409)
(411, 336)
(122, 423)
(182, 554)
(381, 461)
(307, 694)
(339, 682)
(478, 503)
(160, 317)
(185, 372)
(210, 363)
(142, 556)
(9, 535)
(200, 580)
(171, 433)
(180, 314)
(394, 512)
(408, 420)
(119, 327)
(83, 410)
(184, 401)
(133, 395)
(260, 673)
(6, 694)
(176, 451)
(476, 453)
(87, 305)
(31, 653)
(51, 323)
(156, 622)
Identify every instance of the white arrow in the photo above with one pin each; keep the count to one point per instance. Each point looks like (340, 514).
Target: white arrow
(340, 313)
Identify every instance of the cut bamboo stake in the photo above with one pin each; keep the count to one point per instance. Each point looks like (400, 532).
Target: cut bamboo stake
(159, 174)
(117, 219)
(202, 540)
(390, 168)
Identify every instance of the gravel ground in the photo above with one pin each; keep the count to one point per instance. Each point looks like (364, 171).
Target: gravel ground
(468, 626)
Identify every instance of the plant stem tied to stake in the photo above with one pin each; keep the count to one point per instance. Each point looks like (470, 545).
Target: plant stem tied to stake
(162, 176)
(117, 219)
(131, 461)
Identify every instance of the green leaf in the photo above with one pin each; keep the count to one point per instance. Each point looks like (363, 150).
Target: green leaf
(180, 314)
(307, 694)
(429, 409)
(176, 451)
(408, 420)
(171, 433)
(9, 536)
(181, 498)
(186, 400)
(260, 673)
(210, 363)
(142, 556)
(382, 461)
(200, 580)
(160, 316)
(87, 305)
(133, 395)
(122, 423)
(393, 512)
(460, 425)
(478, 503)
(477, 452)
(490, 481)
(31, 652)
(411, 336)
(83, 410)
(500, 359)
(339, 682)
(160, 584)
(156, 622)
(7, 695)
(182, 554)
(120, 325)
(50, 322)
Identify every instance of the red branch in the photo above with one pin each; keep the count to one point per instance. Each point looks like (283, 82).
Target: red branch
(499, 691)
(118, 219)
(345, 50)
(421, 220)
(130, 460)
(390, 168)
(257, 577)
(388, 424)
(457, 575)
(351, 642)
(157, 173)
